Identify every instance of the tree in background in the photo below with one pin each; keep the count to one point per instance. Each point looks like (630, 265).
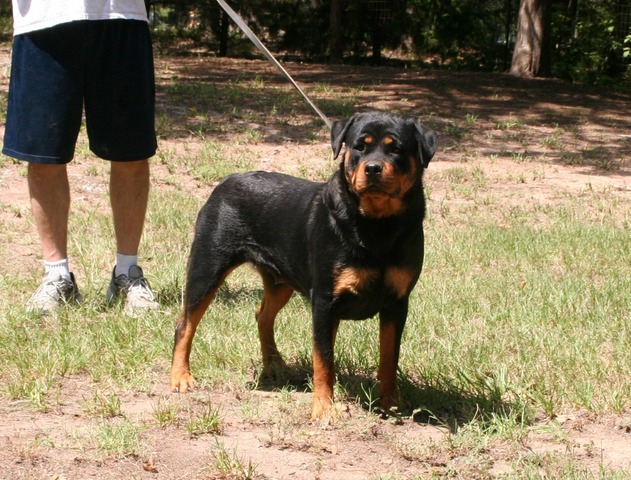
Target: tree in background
(372, 26)
(336, 47)
(463, 34)
(531, 56)
(590, 39)
(578, 40)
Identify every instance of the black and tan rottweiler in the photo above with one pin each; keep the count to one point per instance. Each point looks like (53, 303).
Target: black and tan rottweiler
(353, 246)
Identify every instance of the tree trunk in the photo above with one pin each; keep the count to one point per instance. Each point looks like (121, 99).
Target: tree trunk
(336, 48)
(508, 23)
(224, 24)
(379, 11)
(532, 55)
(376, 43)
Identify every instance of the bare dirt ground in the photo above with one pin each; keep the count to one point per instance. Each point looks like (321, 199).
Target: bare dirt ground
(489, 119)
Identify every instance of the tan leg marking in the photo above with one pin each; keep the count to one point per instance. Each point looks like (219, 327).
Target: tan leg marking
(387, 364)
(323, 381)
(181, 379)
(275, 297)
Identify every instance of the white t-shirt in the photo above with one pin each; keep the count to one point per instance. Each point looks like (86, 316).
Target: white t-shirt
(31, 15)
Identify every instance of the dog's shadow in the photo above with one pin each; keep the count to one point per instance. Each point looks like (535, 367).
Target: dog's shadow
(443, 402)
(453, 404)
(446, 405)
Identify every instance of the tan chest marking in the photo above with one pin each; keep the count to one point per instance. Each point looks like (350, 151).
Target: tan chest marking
(380, 205)
(400, 280)
(354, 280)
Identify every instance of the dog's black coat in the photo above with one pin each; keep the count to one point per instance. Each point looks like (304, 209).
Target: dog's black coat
(353, 245)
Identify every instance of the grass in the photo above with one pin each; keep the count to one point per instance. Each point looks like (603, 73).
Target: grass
(230, 465)
(521, 315)
(516, 303)
(257, 101)
(208, 421)
(119, 439)
(512, 320)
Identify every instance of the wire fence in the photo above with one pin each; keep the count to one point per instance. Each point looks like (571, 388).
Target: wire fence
(623, 30)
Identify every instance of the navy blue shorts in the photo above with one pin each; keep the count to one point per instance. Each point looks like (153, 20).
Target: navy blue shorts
(104, 67)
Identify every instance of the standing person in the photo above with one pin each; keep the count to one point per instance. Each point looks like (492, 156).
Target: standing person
(71, 57)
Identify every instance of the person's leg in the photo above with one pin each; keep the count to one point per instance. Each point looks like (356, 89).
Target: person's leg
(120, 117)
(43, 120)
(50, 203)
(129, 194)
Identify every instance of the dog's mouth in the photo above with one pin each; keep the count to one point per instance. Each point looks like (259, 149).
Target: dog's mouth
(376, 189)
(379, 196)
(377, 203)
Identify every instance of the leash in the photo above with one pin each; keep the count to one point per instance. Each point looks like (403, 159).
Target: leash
(253, 38)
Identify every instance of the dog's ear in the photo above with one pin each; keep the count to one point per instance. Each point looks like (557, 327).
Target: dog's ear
(338, 133)
(427, 140)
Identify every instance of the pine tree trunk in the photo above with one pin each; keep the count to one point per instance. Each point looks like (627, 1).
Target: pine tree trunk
(532, 54)
(224, 29)
(336, 48)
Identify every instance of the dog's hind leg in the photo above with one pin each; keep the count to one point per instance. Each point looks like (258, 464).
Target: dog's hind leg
(197, 299)
(275, 297)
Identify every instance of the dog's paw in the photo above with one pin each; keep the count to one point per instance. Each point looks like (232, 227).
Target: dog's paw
(392, 400)
(275, 368)
(322, 408)
(182, 382)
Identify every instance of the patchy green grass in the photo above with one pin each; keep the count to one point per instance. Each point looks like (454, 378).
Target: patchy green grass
(510, 321)
(521, 317)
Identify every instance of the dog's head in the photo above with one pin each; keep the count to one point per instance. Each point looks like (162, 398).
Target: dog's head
(384, 158)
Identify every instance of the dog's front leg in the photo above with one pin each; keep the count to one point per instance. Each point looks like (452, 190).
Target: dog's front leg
(392, 321)
(324, 333)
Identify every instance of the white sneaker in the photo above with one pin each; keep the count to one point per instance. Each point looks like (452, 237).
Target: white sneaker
(53, 292)
(134, 289)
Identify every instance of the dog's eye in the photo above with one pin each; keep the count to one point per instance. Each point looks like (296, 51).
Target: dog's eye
(360, 147)
(395, 151)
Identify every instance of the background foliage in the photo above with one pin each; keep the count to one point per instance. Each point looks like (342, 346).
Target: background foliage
(591, 38)
(588, 36)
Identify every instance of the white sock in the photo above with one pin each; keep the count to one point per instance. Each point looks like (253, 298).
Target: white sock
(123, 264)
(56, 269)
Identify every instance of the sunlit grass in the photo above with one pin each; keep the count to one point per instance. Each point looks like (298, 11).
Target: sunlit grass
(521, 315)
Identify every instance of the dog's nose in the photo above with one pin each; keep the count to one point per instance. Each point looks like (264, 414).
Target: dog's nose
(372, 168)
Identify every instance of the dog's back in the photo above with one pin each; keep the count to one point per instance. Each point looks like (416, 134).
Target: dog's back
(256, 217)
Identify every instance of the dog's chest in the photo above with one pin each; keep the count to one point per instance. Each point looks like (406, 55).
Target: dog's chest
(360, 292)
